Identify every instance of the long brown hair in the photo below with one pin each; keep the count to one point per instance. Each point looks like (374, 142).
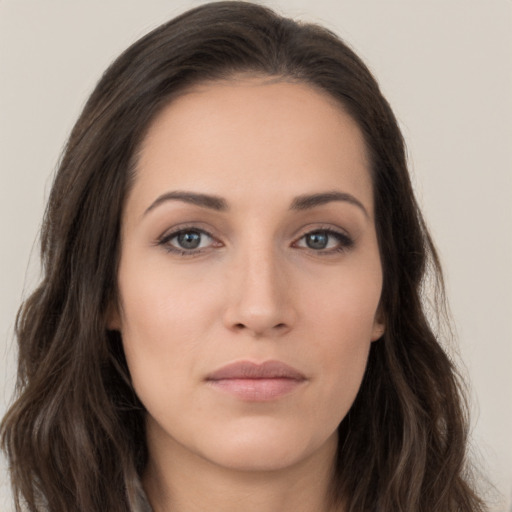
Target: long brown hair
(75, 434)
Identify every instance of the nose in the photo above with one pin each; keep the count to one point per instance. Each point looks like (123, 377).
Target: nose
(259, 298)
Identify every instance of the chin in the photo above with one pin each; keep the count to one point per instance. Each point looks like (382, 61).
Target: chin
(267, 449)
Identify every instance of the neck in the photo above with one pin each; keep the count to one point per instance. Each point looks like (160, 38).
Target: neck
(179, 481)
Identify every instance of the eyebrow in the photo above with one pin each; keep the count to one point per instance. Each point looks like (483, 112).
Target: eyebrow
(307, 201)
(300, 203)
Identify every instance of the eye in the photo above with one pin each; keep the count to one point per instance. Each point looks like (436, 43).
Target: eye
(326, 241)
(187, 241)
(191, 241)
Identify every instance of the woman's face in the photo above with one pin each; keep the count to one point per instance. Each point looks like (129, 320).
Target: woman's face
(250, 275)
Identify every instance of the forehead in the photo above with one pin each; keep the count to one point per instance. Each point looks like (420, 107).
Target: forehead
(253, 137)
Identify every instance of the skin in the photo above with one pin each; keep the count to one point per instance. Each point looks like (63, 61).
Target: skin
(255, 291)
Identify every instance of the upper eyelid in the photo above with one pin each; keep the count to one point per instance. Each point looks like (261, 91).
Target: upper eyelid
(303, 231)
(174, 234)
(176, 230)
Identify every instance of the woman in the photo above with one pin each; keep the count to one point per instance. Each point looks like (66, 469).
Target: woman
(230, 315)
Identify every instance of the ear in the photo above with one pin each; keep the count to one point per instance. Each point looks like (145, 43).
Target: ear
(379, 325)
(113, 317)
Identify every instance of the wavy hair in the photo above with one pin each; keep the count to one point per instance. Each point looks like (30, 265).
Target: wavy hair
(75, 434)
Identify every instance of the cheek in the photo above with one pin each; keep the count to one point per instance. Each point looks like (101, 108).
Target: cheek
(163, 316)
(160, 303)
(344, 305)
(341, 328)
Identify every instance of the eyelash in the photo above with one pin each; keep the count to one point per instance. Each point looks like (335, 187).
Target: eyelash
(345, 242)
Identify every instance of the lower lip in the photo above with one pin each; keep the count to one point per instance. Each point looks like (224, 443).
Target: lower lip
(257, 390)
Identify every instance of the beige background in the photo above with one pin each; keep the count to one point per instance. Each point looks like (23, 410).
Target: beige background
(445, 66)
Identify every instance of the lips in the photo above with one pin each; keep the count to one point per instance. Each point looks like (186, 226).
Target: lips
(256, 382)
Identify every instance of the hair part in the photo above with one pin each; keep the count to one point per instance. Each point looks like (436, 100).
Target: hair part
(75, 435)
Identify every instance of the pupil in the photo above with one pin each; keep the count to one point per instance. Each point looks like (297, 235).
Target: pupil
(189, 240)
(317, 240)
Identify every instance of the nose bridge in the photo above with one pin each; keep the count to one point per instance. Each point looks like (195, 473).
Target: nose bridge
(259, 299)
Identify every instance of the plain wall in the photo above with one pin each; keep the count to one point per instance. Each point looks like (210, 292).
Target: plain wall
(444, 65)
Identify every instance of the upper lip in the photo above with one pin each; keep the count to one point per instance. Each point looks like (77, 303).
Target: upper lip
(250, 370)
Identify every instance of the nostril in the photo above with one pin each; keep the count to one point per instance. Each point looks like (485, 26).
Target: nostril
(240, 326)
